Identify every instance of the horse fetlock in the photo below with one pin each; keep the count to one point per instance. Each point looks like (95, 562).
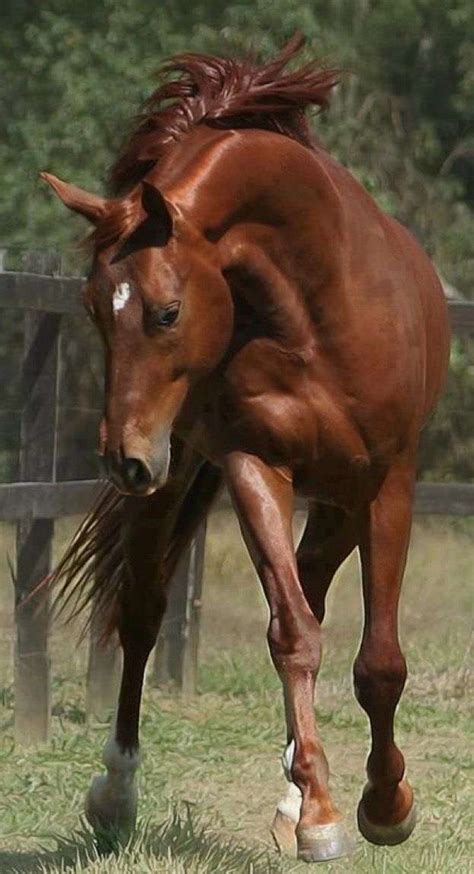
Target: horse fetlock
(124, 763)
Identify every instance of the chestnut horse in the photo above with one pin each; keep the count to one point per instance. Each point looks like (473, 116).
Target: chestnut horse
(265, 325)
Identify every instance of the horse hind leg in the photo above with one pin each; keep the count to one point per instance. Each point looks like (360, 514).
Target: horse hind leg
(386, 813)
(329, 537)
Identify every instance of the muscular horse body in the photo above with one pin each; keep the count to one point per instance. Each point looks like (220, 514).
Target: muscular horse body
(266, 320)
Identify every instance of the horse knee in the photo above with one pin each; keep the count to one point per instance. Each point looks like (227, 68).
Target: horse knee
(295, 643)
(379, 676)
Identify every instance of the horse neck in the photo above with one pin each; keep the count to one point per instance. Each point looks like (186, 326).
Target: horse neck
(217, 177)
(263, 219)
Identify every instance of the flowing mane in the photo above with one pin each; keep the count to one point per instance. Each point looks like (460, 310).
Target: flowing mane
(223, 93)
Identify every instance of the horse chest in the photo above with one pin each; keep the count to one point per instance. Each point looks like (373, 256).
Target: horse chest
(282, 412)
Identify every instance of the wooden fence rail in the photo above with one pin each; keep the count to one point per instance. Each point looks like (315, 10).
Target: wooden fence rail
(37, 500)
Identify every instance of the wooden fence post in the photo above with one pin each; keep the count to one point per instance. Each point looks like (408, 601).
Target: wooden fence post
(176, 654)
(34, 535)
(103, 675)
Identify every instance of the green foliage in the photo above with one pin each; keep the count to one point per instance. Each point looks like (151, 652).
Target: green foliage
(447, 446)
(73, 75)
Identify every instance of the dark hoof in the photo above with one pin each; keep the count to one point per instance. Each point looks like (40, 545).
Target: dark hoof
(321, 843)
(385, 835)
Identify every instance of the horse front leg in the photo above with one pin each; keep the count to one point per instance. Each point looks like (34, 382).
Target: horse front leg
(112, 798)
(386, 813)
(155, 531)
(263, 497)
(329, 537)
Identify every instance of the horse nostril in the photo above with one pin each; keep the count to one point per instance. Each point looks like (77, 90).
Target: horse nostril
(135, 473)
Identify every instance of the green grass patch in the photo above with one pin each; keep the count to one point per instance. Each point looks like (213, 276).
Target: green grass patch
(211, 774)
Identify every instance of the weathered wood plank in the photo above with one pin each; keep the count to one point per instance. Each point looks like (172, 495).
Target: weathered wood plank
(103, 675)
(35, 536)
(176, 653)
(188, 646)
(442, 499)
(52, 500)
(32, 661)
(453, 499)
(47, 500)
(58, 294)
(31, 291)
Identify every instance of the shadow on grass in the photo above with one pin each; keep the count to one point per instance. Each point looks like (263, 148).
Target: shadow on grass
(182, 837)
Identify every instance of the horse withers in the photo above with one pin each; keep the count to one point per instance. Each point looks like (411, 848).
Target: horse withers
(265, 326)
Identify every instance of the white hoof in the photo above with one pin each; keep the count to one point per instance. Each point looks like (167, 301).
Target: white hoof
(109, 808)
(111, 802)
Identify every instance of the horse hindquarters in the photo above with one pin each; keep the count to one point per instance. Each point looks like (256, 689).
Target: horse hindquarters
(386, 813)
(156, 530)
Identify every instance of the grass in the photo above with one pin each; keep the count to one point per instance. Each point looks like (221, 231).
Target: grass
(211, 774)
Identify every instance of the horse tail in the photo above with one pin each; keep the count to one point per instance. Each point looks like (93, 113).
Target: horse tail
(93, 570)
(194, 509)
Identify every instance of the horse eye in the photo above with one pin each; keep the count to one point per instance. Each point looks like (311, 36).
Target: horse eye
(162, 317)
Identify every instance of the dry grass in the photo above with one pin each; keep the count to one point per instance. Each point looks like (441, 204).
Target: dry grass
(220, 752)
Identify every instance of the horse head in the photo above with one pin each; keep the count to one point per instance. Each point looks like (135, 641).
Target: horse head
(164, 311)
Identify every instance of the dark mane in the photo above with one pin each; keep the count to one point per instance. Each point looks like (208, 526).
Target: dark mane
(223, 93)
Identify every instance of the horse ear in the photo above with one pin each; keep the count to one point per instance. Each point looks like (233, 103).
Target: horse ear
(155, 205)
(91, 206)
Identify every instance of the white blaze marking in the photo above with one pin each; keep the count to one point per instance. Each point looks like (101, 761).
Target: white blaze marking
(121, 296)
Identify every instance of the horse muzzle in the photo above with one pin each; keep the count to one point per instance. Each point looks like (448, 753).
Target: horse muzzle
(134, 473)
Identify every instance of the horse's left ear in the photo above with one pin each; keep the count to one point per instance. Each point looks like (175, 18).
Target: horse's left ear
(155, 205)
(91, 206)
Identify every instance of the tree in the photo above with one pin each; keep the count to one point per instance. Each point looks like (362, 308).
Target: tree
(72, 76)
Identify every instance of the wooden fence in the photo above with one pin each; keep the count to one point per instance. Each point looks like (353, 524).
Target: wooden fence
(38, 499)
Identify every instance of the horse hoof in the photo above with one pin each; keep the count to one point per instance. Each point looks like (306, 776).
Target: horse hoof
(385, 835)
(321, 843)
(107, 810)
(284, 834)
